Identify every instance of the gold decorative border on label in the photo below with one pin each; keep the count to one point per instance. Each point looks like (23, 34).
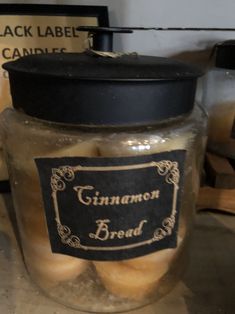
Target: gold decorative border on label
(60, 175)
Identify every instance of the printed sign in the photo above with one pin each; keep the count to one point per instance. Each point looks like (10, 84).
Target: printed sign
(34, 29)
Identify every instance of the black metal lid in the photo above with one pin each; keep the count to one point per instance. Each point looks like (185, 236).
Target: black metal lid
(106, 89)
(225, 55)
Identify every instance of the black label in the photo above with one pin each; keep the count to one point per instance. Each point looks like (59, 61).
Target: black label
(112, 208)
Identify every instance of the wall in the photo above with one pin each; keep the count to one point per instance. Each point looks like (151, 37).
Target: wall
(166, 13)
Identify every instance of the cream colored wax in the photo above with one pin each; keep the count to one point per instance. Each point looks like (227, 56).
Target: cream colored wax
(136, 278)
(221, 120)
(46, 267)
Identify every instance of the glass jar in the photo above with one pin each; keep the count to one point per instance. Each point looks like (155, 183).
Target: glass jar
(104, 210)
(219, 99)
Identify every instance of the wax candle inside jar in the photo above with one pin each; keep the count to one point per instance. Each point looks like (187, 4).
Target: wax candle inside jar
(221, 126)
(219, 100)
(154, 265)
(221, 122)
(46, 268)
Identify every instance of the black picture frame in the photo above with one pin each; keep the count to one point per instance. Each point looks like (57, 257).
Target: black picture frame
(100, 12)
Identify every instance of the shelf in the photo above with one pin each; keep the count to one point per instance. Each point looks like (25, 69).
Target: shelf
(208, 286)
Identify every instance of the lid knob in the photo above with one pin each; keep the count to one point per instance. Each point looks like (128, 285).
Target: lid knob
(103, 36)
